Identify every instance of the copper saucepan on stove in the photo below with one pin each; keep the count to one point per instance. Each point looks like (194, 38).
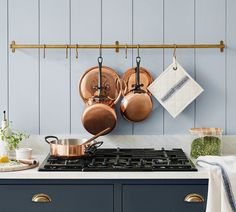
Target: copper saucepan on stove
(136, 104)
(100, 89)
(74, 147)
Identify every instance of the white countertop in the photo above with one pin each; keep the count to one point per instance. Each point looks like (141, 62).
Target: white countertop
(35, 174)
(41, 149)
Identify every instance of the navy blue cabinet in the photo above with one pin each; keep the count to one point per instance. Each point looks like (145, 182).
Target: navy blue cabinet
(56, 198)
(101, 195)
(169, 198)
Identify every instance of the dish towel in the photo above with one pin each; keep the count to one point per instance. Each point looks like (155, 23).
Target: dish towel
(222, 182)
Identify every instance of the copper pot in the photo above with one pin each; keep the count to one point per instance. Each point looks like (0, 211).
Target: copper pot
(100, 88)
(136, 104)
(73, 147)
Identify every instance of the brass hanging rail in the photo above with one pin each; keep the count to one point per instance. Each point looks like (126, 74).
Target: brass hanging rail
(115, 46)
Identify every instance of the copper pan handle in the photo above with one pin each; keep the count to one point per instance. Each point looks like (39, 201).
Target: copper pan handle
(119, 83)
(97, 135)
(49, 137)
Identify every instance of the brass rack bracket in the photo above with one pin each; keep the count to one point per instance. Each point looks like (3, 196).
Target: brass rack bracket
(12, 46)
(117, 46)
(222, 46)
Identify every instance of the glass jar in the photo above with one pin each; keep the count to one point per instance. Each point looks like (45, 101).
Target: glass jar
(206, 141)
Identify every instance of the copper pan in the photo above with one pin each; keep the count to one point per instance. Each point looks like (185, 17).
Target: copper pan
(73, 147)
(99, 112)
(136, 104)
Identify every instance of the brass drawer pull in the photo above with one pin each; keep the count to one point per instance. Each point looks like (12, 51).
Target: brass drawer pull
(41, 198)
(194, 198)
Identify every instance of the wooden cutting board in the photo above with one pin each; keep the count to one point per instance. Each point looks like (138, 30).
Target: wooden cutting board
(15, 166)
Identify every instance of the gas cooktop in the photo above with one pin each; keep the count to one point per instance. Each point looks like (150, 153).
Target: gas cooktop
(123, 160)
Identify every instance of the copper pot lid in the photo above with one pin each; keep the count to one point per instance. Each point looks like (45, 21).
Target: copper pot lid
(129, 77)
(87, 85)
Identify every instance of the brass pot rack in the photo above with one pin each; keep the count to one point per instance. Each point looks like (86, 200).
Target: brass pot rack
(117, 46)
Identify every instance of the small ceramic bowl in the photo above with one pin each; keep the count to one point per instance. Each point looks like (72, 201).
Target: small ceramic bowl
(23, 153)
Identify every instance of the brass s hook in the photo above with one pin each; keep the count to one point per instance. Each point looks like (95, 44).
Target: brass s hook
(100, 50)
(44, 51)
(67, 46)
(126, 51)
(76, 51)
(174, 57)
(138, 50)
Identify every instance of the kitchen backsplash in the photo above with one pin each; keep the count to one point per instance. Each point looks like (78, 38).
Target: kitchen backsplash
(41, 94)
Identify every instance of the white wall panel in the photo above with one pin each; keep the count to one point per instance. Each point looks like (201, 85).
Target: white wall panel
(55, 68)
(23, 69)
(3, 56)
(210, 63)
(148, 29)
(179, 28)
(85, 29)
(117, 25)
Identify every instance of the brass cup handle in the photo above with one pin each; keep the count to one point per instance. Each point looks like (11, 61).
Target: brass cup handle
(194, 198)
(38, 198)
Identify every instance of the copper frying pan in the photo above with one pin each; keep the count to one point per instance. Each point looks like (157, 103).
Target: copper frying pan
(136, 104)
(99, 112)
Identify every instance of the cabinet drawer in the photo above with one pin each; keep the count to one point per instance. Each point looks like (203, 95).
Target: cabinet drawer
(64, 198)
(162, 198)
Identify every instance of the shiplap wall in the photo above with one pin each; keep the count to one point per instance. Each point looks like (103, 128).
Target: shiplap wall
(41, 94)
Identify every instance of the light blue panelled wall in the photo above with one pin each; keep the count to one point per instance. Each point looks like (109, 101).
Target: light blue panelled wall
(41, 94)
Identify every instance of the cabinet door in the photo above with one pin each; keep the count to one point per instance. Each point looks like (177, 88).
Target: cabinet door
(162, 198)
(64, 198)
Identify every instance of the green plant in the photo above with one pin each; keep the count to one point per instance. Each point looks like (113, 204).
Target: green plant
(13, 139)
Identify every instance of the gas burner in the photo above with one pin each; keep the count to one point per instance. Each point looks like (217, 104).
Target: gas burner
(123, 160)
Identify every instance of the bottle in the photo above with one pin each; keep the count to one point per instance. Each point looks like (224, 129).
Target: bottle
(7, 131)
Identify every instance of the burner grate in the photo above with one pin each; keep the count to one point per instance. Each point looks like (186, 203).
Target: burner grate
(123, 160)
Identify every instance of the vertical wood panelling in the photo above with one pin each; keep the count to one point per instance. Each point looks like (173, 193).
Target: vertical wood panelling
(231, 66)
(117, 25)
(3, 56)
(23, 69)
(85, 28)
(179, 28)
(55, 68)
(148, 28)
(210, 63)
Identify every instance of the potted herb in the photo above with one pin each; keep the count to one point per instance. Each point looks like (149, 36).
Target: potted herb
(10, 139)
(13, 139)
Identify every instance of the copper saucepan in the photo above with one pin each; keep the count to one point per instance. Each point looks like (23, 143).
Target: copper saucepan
(136, 104)
(100, 88)
(74, 147)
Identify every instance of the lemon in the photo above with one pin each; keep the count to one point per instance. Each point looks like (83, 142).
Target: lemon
(4, 159)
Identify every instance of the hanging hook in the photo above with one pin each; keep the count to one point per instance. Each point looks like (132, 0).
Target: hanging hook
(174, 57)
(126, 51)
(100, 60)
(76, 51)
(44, 52)
(138, 58)
(100, 50)
(138, 50)
(67, 46)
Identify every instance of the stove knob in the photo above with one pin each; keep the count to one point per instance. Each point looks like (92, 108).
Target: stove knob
(141, 163)
(117, 161)
(104, 163)
(93, 162)
(128, 162)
